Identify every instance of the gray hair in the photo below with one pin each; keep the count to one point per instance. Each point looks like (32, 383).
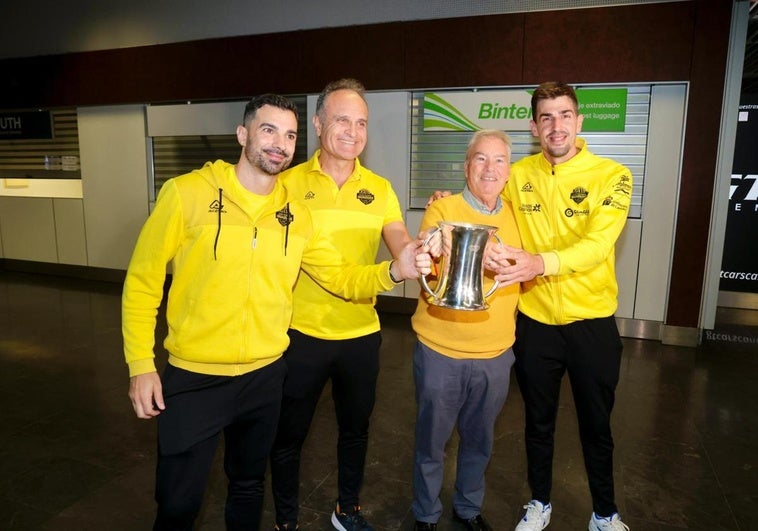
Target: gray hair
(483, 133)
(346, 83)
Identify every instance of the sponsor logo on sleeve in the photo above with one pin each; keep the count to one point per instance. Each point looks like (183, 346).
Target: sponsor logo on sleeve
(624, 185)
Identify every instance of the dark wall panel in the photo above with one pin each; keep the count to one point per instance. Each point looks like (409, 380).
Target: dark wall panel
(373, 54)
(464, 52)
(619, 44)
(699, 161)
(633, 43)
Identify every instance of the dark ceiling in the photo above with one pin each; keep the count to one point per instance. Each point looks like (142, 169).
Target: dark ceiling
(750, 69)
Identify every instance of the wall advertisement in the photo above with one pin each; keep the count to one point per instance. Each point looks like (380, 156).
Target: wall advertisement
(739, 264)
(604, 110)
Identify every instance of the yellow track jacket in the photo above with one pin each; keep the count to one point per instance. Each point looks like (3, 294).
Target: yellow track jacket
(571, 214)
(235, 259)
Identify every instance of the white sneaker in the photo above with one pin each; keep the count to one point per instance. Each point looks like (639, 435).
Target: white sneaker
(536, 518)
(609, 523)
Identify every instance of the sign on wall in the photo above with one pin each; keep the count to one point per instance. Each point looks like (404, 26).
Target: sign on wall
(604, 109)
(739, 264)
(25, 125)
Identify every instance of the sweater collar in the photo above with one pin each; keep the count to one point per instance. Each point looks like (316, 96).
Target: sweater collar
(477, 205)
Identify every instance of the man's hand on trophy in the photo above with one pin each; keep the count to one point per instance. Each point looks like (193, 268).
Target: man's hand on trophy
(432, 241)
(423, 261)
(513, 265)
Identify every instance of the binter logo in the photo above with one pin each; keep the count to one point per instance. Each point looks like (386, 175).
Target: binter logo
(499, 111)
(310, 195)
(527, 188)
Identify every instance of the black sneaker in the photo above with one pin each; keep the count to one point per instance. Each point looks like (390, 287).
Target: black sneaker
(350, 521)
(286, 527)
(476, 523)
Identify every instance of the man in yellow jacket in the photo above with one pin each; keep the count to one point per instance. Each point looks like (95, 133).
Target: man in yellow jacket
(236, 242)
(570, 207)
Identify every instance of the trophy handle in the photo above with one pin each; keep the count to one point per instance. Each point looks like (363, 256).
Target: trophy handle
(496, 284)
(423, 277)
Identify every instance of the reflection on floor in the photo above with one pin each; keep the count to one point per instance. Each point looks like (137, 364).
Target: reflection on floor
(74, 457)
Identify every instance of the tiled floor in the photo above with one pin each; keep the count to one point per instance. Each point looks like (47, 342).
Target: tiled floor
(74, 457)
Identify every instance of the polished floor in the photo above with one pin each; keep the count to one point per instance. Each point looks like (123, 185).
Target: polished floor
(74, 457)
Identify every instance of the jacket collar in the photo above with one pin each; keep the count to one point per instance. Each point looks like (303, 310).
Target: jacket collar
(577, 159)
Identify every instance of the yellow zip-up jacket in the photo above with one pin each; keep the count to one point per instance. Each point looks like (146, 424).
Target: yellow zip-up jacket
(235, 259)
(571, 214)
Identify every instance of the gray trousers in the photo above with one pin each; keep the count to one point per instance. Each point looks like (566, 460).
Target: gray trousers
(449, 392)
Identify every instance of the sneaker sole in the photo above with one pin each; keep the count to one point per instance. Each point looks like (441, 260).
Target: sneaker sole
(336, 523)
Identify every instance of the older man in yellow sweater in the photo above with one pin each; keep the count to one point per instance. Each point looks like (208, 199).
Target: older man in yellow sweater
(462, 360)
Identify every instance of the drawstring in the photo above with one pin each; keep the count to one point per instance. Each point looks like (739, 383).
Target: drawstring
(218, 229)
(286, 227)
(284, 217)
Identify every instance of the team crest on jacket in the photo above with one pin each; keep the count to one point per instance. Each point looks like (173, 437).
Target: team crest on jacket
(365, 197)
(284, 216)
(310, 195)
(527, 187)
(578, 194)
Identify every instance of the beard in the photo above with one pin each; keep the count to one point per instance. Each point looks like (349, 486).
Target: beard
(258, 158)
(558, 151)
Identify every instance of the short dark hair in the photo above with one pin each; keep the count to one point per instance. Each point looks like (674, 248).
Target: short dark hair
(551, 90)
(346, 83)
(275, 100)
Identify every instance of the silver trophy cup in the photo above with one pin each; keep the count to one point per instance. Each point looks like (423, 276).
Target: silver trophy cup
(460, 284)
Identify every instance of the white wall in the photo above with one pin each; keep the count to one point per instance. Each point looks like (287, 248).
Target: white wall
(113, 154)
(28, 228)
(69, 231)
(659, 199)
